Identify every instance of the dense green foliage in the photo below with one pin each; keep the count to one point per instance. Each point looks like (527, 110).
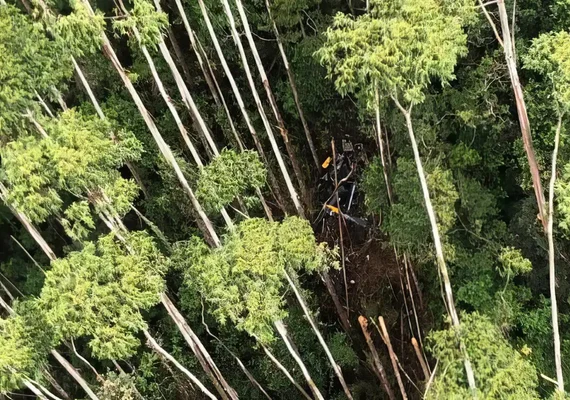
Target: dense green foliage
(104, 214)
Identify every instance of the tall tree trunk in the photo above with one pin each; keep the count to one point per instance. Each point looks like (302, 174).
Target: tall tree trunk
(164, 148)
(283, 332)
(34, 233)
(551, 266)
(508, 47)
(193, 43)
(293, 86)
(273, 103)
(266, 124)
(73, 372)
(272, 179)
(343, 316)
(172, 108)
(35, 390)
(442, 267)
(393, 357)
(286, 372)
(309, 317)
(381, 143)
(379, 368)
(224, 389)
(153, 344)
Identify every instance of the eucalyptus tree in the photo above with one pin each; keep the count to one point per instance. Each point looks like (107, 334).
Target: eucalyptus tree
(162, 145)
(270, 96)
(398, 49)
(243, 281)
(268, 129)
(147, 26)
(293, 85)
(549, 56)
(241, 104)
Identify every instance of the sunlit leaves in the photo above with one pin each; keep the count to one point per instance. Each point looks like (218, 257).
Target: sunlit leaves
(99, 292)
(229, 175)
(150, 23)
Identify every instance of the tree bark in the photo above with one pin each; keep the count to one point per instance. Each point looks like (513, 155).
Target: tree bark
(381, 143)
(273, 103)
(551, 264)
(73, 372)
(393, 357)
(224, 389)
(522, 112)
(335, 366)
(272, 179)
(293, 86)
(266, 124)
(442, 267)
(164, 148)
(286, 372)
(152, 343)
(376, 359)
(283, 332)
(343, 316)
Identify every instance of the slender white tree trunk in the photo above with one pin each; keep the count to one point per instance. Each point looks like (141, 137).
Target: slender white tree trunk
(224, 389)
(381, 143)
(283, 332)
(153, 344)
(266, 124)
(164, 148)
(293, 86)
(442, 267)
(271, 98)
(237, 94)
(35, 390)
(174, 112)
(551, 265)
(309, 317)
(286, 372)
(73, 372)
(508, 47)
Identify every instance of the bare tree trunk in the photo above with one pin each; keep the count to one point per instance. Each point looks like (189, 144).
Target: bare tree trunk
(267, 125)
(73, 372)
(270, 96)
(291, 78)
(34, 390)
(309, 317)
(55, 384)
(193, 43)
(340, 231)
(27, 224)
(152, 343)
(283, 332)
(272, 179)
(224, 389)
(442, 267)
(420, 357)
(174, 112)
(381, 143)
(164, 148)
(551, 265)
(376, 359)
(286, 372)
(343, 316)
(522, 112)
(393, 357)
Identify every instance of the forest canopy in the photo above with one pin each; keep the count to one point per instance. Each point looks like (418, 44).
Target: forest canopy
(284, 199)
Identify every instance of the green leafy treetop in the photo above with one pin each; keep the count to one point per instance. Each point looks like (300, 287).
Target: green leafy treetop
(502, 372)
(243, 280)
(229, 175)
(77, 157)
(549, 55)
(398, 46)
(29, 63)
(25, 340)
(100, 291)
(150, 23)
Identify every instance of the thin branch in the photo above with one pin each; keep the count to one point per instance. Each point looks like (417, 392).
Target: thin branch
(491, 22)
